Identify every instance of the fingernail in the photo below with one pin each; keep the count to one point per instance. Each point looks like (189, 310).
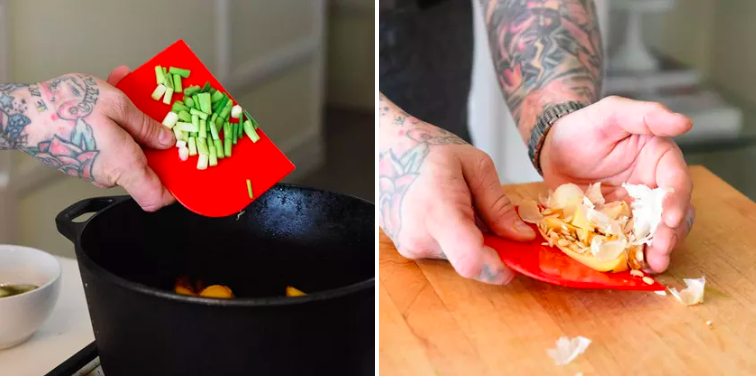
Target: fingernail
(165, 137)
(523, 228)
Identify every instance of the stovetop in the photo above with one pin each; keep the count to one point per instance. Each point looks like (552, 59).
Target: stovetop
(84, 363)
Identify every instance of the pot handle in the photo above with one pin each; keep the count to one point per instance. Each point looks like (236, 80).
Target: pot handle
(65, 219)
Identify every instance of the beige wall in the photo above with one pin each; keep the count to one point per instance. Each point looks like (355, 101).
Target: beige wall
(716, 37)
(685, 33)
(351, 54)
(52, 37)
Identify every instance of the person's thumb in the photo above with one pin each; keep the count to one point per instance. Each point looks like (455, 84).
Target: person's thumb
(490, 201)
(144, 129)
(118, 74)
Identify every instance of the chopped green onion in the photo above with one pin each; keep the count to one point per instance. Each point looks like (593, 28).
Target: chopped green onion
(159, 74)
(250, 131)
(179, 72)
(214, 131)
(196, 101)
(213, 155)
(170, 119)
(184, 153)
(202, 128)
(227, 143)
(168, 81)
(219, 148)
(181, 144)
(165, 71)
(254, 122)
(226, 110)
(212, 90)
(206, 88)
(158, 92)
(180, 135)
(202, 146)
(168, 96)
(249, 189)
(189, 101)
(235, 132)
(191, 90)
(192, 146)
(220, 104)
(193, 134)
(184, 116)
(187, 127)
(202, 162)
(214, 117)
(236, 111)
(195, 120)
(199, 113)
(204, 101)
(179, 106)
(216, 96)
(177, 83)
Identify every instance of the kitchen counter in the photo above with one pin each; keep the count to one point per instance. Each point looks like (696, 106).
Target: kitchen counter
(67, 331)
(433, 322)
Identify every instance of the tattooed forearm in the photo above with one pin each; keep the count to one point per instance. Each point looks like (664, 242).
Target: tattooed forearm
(50, 121)
(545, 52)
(399, 165)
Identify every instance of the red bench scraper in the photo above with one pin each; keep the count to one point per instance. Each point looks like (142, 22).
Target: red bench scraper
(552, 266)
(218, 191)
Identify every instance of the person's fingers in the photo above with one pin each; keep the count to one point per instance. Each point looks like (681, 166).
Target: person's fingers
(143, 128)
(137, 178)
(672, 172)
(462, 244)
(118, 74)
(620, 117)
(665, 240)
(490, 201)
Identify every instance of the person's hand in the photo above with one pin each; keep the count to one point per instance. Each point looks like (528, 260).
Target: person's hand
(87, 128)
(432, 184)
(619, 140)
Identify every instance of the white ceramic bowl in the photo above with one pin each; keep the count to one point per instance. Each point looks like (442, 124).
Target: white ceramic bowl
(21, 315)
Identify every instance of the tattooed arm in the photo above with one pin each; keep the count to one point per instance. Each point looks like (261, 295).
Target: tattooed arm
(85, 128)
(432, 187)
(545, 52)
(548, 52)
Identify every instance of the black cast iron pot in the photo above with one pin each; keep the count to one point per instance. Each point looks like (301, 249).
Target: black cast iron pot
(319, 242)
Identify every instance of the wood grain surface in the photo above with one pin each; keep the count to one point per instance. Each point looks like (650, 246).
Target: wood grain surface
(433, 322)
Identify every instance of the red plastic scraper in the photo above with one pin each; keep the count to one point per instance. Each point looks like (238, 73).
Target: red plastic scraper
(552, 266)
(218, 191)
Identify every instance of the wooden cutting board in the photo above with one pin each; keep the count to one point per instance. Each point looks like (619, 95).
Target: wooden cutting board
(433, 322)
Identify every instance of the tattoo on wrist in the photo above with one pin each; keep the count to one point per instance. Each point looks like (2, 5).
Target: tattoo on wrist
(544, 51)
(399, 116)
(13, 117)
(399, 168)
(72, 147)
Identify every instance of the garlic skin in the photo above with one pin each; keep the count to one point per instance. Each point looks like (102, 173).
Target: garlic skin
(647, 208)
(694, 292)
(567, 349)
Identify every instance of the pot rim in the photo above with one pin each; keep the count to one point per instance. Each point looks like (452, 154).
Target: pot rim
(273, 301)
